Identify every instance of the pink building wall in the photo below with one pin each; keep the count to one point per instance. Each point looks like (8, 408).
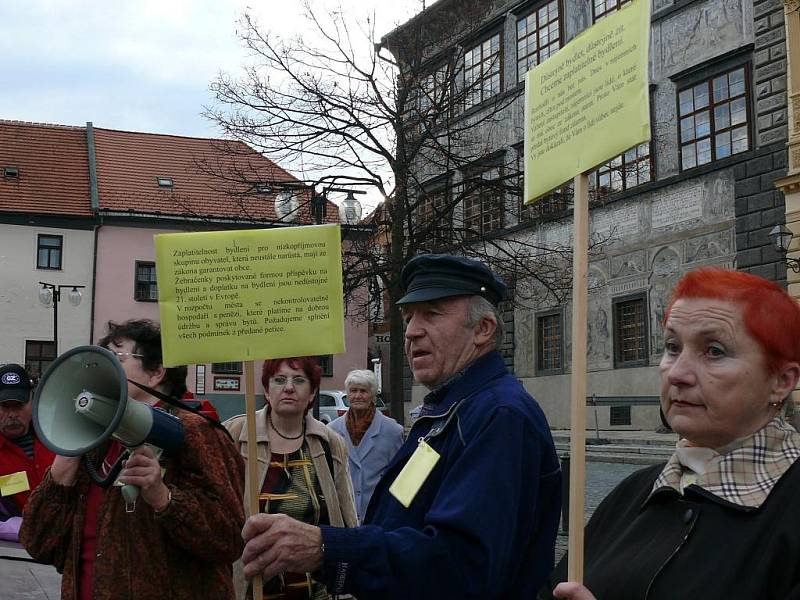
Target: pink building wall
(118, 249)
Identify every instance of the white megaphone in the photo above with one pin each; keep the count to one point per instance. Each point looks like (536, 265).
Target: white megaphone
(82, 401)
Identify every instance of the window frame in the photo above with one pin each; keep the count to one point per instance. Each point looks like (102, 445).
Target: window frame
(619, 416)
(609, 7)
(478, 191)
(138, 283)
(37, 363)
(707, 80)
(558, 316)
(535, 11)
(620, 165)
(227, 368)
(495, 64)
(325, 362)
(50, 251)
(643, 359)
(434, 207)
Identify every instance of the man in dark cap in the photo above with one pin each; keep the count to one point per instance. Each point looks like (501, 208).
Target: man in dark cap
(23, 459)
(469, 506)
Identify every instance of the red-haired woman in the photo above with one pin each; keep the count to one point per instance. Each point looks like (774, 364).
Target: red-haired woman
(717, 520)
(302, 465)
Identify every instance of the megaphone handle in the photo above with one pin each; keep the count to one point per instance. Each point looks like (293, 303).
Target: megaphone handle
(130, 493)
(106, 481)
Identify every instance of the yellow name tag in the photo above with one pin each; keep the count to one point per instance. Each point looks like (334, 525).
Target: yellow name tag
(14, 483)
(414, 474)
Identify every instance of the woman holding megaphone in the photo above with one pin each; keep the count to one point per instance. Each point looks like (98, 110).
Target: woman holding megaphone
(180, 537)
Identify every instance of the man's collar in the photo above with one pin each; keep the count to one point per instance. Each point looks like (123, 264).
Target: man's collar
(437, 401)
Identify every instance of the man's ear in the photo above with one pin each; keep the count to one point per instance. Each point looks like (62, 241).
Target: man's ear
(484, 330)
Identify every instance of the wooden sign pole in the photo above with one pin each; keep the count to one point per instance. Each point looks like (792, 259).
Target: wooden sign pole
(577, 469)
(252, 490)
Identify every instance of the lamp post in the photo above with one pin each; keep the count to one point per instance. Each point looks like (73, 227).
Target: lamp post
(286, 208)
(782, 238)
(50, 292)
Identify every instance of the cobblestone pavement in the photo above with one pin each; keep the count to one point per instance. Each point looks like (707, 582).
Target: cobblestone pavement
(601, 478)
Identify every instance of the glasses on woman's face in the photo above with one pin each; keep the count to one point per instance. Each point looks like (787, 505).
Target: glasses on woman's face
(123, 356)
(282, 380)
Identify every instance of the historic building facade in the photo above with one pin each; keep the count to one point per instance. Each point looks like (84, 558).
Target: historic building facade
(702, 192)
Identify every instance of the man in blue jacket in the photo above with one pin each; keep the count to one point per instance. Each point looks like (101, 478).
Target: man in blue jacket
(469, 506)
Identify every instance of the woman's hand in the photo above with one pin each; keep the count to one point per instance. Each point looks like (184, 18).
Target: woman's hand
(142, 469)
(573, 591)
(64, 470)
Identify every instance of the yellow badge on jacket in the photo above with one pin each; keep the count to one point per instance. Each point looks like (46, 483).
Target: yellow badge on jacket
(410, 479)
(14, 483)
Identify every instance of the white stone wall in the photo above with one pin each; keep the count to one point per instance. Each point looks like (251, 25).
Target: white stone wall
(22, 316)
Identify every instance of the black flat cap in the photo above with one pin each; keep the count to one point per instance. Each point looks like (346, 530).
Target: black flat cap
(432, 276)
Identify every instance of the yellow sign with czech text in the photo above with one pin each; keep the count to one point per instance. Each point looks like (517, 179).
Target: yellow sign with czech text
(251, 294)
(589, 101)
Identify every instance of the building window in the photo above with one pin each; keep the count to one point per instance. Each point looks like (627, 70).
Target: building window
(11, 172)
(433, 94)
(554, 204)
(146, 288)
(48, 252)
(714, 118)
(326, 363)
(623, 172)
(603, 8)
(434, 218)
(619, 415)
(38, 356)
(538, 37)
(227, 368)
(549, 344)
(165, 182)
(630, 332)
(483, 203)
(482, 73)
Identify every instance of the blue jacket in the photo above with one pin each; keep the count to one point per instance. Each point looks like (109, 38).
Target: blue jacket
(369, 459)
(484, 522)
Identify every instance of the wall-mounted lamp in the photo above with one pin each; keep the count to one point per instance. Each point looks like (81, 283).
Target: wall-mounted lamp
(782, 236)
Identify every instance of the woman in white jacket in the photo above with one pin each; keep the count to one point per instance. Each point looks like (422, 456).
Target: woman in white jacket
(372, 439)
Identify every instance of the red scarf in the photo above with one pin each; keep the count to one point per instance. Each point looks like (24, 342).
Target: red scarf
(357, 425)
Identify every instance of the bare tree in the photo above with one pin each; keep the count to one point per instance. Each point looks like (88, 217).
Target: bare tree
(406, 116)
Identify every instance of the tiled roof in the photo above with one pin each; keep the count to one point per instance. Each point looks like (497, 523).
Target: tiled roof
(207, 177)
(53, 169)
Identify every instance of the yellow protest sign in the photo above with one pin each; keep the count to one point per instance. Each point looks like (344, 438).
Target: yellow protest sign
(246, 295)
(589, 101)
(14, 483)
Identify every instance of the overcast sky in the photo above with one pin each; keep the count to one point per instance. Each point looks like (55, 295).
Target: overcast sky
(138, 65)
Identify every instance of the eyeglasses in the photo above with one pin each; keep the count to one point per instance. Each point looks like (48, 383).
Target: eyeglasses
(281, 380)
(123, 356)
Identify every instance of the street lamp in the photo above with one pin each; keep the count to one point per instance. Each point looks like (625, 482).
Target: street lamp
(350, 210)
(782, 237)
(286, 206)
(50, 292)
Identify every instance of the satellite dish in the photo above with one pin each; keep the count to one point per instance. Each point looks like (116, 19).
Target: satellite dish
(286, 206)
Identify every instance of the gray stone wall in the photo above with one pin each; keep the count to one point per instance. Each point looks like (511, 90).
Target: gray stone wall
(759, 206)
